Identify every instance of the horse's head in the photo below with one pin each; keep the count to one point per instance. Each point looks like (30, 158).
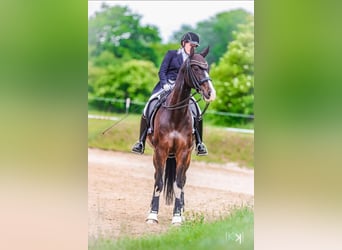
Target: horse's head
(198, 74)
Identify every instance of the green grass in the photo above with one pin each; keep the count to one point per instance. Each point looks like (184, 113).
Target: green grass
(194, 235)
(223, 146)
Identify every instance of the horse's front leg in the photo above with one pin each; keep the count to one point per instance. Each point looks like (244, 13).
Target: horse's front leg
(179, 203)
(178, 187)
(158, 187)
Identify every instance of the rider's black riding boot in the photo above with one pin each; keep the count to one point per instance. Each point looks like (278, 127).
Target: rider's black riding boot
(200, 147)
(140, 145)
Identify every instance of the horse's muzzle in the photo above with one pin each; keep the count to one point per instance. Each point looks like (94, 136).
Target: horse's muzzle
(209, 95)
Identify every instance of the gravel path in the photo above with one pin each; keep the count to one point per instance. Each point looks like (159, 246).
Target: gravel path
(120, 189)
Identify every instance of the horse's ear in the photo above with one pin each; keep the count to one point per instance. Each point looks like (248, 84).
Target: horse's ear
(205, 52)
(192, 51)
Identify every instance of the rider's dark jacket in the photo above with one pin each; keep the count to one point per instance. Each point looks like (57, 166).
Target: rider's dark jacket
(169, 68)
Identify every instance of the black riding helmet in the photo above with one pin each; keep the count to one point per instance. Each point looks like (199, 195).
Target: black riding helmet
(190, 37)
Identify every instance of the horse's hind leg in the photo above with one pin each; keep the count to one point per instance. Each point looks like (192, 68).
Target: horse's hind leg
(158, 187)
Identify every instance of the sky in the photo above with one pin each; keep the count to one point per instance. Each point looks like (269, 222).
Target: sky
(169, 16)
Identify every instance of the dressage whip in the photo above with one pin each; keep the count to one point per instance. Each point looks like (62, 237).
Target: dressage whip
(106, 130)
(116, 123)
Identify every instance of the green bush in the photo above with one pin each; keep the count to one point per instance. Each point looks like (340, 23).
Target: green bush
(133, 79)
(234, 77)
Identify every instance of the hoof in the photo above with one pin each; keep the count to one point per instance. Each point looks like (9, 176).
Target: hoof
(151, 221)
(176, 224)
(177, 220)
(152, 218)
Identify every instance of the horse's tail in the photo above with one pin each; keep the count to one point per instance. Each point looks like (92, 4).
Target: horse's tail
(169, 179)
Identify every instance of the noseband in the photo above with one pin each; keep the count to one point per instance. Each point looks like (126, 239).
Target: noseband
(192, 77)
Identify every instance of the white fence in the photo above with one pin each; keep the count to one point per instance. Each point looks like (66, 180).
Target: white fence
(128, 103)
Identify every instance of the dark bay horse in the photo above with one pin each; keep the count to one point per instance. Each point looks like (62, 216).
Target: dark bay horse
(172, 138)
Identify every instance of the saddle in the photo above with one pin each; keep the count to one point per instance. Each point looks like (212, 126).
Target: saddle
(157, 100)
(152, 107)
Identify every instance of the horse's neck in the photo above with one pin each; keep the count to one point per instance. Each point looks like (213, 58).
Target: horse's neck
(180, 98)
(180, 93)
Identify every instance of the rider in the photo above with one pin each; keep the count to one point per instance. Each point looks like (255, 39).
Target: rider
(168, 71)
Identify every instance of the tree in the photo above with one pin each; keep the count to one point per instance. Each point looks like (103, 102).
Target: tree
(234, 75)
(134, 79)
(217, 32)
(117, 30)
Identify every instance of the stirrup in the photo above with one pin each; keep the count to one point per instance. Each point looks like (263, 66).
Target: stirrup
(201, 149)
(138, 148)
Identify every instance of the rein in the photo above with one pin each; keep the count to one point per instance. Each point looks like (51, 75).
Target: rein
(179, 105)
(205, 108)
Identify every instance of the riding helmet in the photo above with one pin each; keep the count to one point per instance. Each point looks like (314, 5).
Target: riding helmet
(190, 37)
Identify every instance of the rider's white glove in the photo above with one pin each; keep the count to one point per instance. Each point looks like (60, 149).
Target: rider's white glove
(167, 87)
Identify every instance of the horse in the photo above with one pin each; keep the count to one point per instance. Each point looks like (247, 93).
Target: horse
(172, 139)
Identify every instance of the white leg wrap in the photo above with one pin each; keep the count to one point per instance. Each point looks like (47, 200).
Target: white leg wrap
(177, 190)
(156, 193)
(152, 218)
(177, 219)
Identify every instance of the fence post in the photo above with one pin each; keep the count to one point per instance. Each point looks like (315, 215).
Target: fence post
(128, 103)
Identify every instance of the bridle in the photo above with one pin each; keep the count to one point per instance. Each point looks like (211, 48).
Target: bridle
(192, 77)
